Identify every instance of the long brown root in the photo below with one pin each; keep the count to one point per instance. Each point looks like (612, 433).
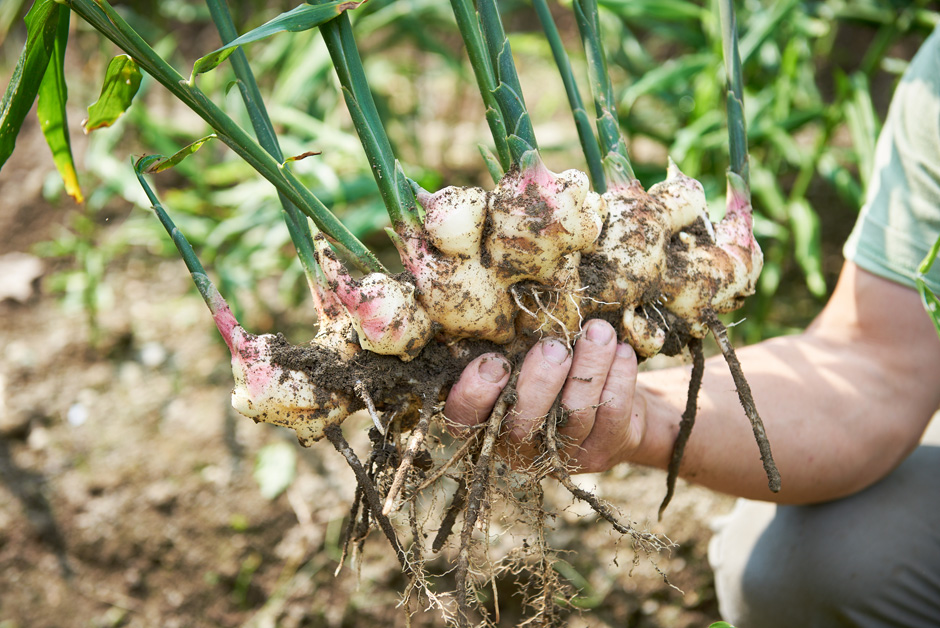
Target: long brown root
(645, 540)
(335, 435)
(720, 332)
(687, 422)
(477, 492)
(457, 503)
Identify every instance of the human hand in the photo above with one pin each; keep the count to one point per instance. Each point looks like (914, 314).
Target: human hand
(597, 385)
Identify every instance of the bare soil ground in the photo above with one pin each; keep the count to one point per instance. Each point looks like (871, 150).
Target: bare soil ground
(127, 496)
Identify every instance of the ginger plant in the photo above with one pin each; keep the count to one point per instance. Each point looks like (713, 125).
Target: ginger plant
(484, 270)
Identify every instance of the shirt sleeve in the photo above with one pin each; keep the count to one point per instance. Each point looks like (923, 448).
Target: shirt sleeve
(900, 220)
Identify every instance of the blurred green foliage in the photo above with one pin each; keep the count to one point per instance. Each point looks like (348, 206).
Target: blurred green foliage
(817, 80)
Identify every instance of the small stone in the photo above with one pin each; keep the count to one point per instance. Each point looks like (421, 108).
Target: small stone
(18, 272)
(152, 354)
(38, 439)
(77, 414)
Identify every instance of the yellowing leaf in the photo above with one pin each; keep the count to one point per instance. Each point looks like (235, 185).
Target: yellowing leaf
(42, 25)
(53, 94)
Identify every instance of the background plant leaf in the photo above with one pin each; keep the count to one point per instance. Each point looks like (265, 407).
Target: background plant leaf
(807, 244)
(862, 122)
(931, 303)
(121, 82)
(275, 468)
(302, 18)
(165, 163)
(53, 121)
(664, 10)
(42, 25)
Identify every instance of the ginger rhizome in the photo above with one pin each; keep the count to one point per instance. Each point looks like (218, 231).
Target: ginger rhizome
(536, 256)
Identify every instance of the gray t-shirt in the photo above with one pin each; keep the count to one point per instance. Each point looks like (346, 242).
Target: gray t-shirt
(900, 220)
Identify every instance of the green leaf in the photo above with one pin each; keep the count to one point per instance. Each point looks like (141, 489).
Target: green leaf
(275, 468)
(931, 303)
(807, 245)
(302, 18)
(121, 83)
(721, 624)
(671, 75)
(492, 163)
(658, 10)
(763, 25)
(42, 23)
(165, 163)
(53, 94)
(863, 123)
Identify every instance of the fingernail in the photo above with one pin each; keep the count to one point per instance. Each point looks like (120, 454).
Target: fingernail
(624, 350)
(493, 369)
(554, 351)
(599, 333)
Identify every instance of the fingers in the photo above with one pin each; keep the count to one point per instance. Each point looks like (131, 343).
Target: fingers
(615, 430)
(541, 378)
(593, 357)
(597, 387)
(472, 398)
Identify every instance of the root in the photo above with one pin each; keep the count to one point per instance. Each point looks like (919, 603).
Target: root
(417, 552)
(457, 504)
(687, 423)
(514, 291)
(646, 541)
(720, 332)
(370, 405)
(414, 443)
(477, 492)
(372, 500)
(457, 457)
(349, 530)
(548, 312)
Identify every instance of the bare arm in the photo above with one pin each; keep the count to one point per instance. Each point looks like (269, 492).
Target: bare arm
(843, 403)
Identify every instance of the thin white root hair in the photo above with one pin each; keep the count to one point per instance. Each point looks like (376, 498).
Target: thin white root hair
(554, 319)
(370, 405)
(514, 291)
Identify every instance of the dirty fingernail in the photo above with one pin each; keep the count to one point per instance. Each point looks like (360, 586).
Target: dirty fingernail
(599, 333)
(493, 369)
(554, 351)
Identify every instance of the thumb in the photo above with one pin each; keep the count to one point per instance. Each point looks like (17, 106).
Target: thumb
(472, 398)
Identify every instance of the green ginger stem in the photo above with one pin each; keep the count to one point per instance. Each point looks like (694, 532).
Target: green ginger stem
(297, 224)
(508, 92)
(394, 187)
(103, 18)
(737, 128)
(589, 144)
(616, 158)
(469, 26)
